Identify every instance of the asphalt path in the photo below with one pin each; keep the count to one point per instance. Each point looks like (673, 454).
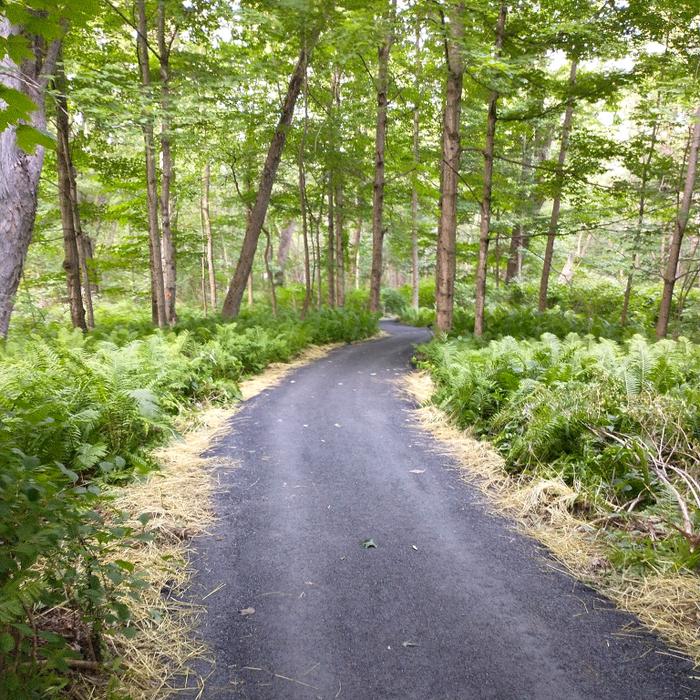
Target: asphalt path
(451, 603)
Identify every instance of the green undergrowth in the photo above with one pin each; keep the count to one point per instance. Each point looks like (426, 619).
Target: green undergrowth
(590, 305)
(619, 422)
(82, 413)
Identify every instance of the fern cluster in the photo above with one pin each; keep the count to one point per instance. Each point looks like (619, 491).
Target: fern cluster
(598, 413)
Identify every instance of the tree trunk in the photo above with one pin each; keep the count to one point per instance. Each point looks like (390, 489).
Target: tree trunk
(71, 262)
(308, 282)
(286, 236)
(559, 178)
(484, 227)
(83, 243)
(203, 284)
(303, 204)
(671, 273)
(206, 228)
(158, 307)
(380, 145)
(232, 303)
(449, 167)
(339, 247)
(268, 269)
(415, 279)
(168, 173)
(330, 243)
(357, 239)
(20, 171)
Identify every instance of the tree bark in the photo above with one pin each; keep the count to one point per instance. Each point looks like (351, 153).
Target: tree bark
(71, 261)
(556, 204)
(206, 228)
(671, 272)
(485, 224)
(20, 171)
(83, 243)
(415, 279)
(330, 245)
(357, 239)
(268, 270)
(339, 247)
(451, 152)
(168, 174)
(232, 303)
(286, 236)
(380, 145)
(158, 307)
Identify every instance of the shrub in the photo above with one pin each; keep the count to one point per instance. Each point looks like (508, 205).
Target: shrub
(393, 301)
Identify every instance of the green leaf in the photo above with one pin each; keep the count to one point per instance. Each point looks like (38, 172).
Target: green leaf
(7, 643)
(369, 544)
(28, 138)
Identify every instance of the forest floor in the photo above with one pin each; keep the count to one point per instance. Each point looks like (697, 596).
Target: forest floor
(452, 601)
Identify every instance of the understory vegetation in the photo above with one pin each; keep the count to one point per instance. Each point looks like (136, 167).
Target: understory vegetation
(590, 305)
(80, 416)
(619, 422)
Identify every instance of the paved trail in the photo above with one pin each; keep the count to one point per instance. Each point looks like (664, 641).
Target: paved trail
(451, 604)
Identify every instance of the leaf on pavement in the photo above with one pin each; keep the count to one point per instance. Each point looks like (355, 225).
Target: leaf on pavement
(408, 644)
(369, 544)
(247, 611)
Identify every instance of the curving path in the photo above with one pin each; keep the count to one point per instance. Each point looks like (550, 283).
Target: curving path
(452, 603)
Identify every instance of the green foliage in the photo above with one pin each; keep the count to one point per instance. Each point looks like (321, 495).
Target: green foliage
(393, 301)
(599, 414)
(57, 561)
(79, 411)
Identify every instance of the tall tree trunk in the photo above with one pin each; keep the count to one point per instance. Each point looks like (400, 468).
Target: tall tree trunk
(449, 167)
(330, 243)
(20, 171)
(71, 261)
(305, 234)
(203, 282)
(158, 307)
(415, 280)
(232, 303)
(268, 270)
(559, 184)
(640, 218)
(303, 204)
(357, 239)
(379, 146)
(168, 173)
(485, 225)
(317, 263)
(339, 247)
(206, 228)
(285, 246)
(671, 273)
(85, 252)
(83, 243)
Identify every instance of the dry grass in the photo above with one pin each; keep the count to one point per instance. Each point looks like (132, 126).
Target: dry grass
(178, 501)
(668, 604)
